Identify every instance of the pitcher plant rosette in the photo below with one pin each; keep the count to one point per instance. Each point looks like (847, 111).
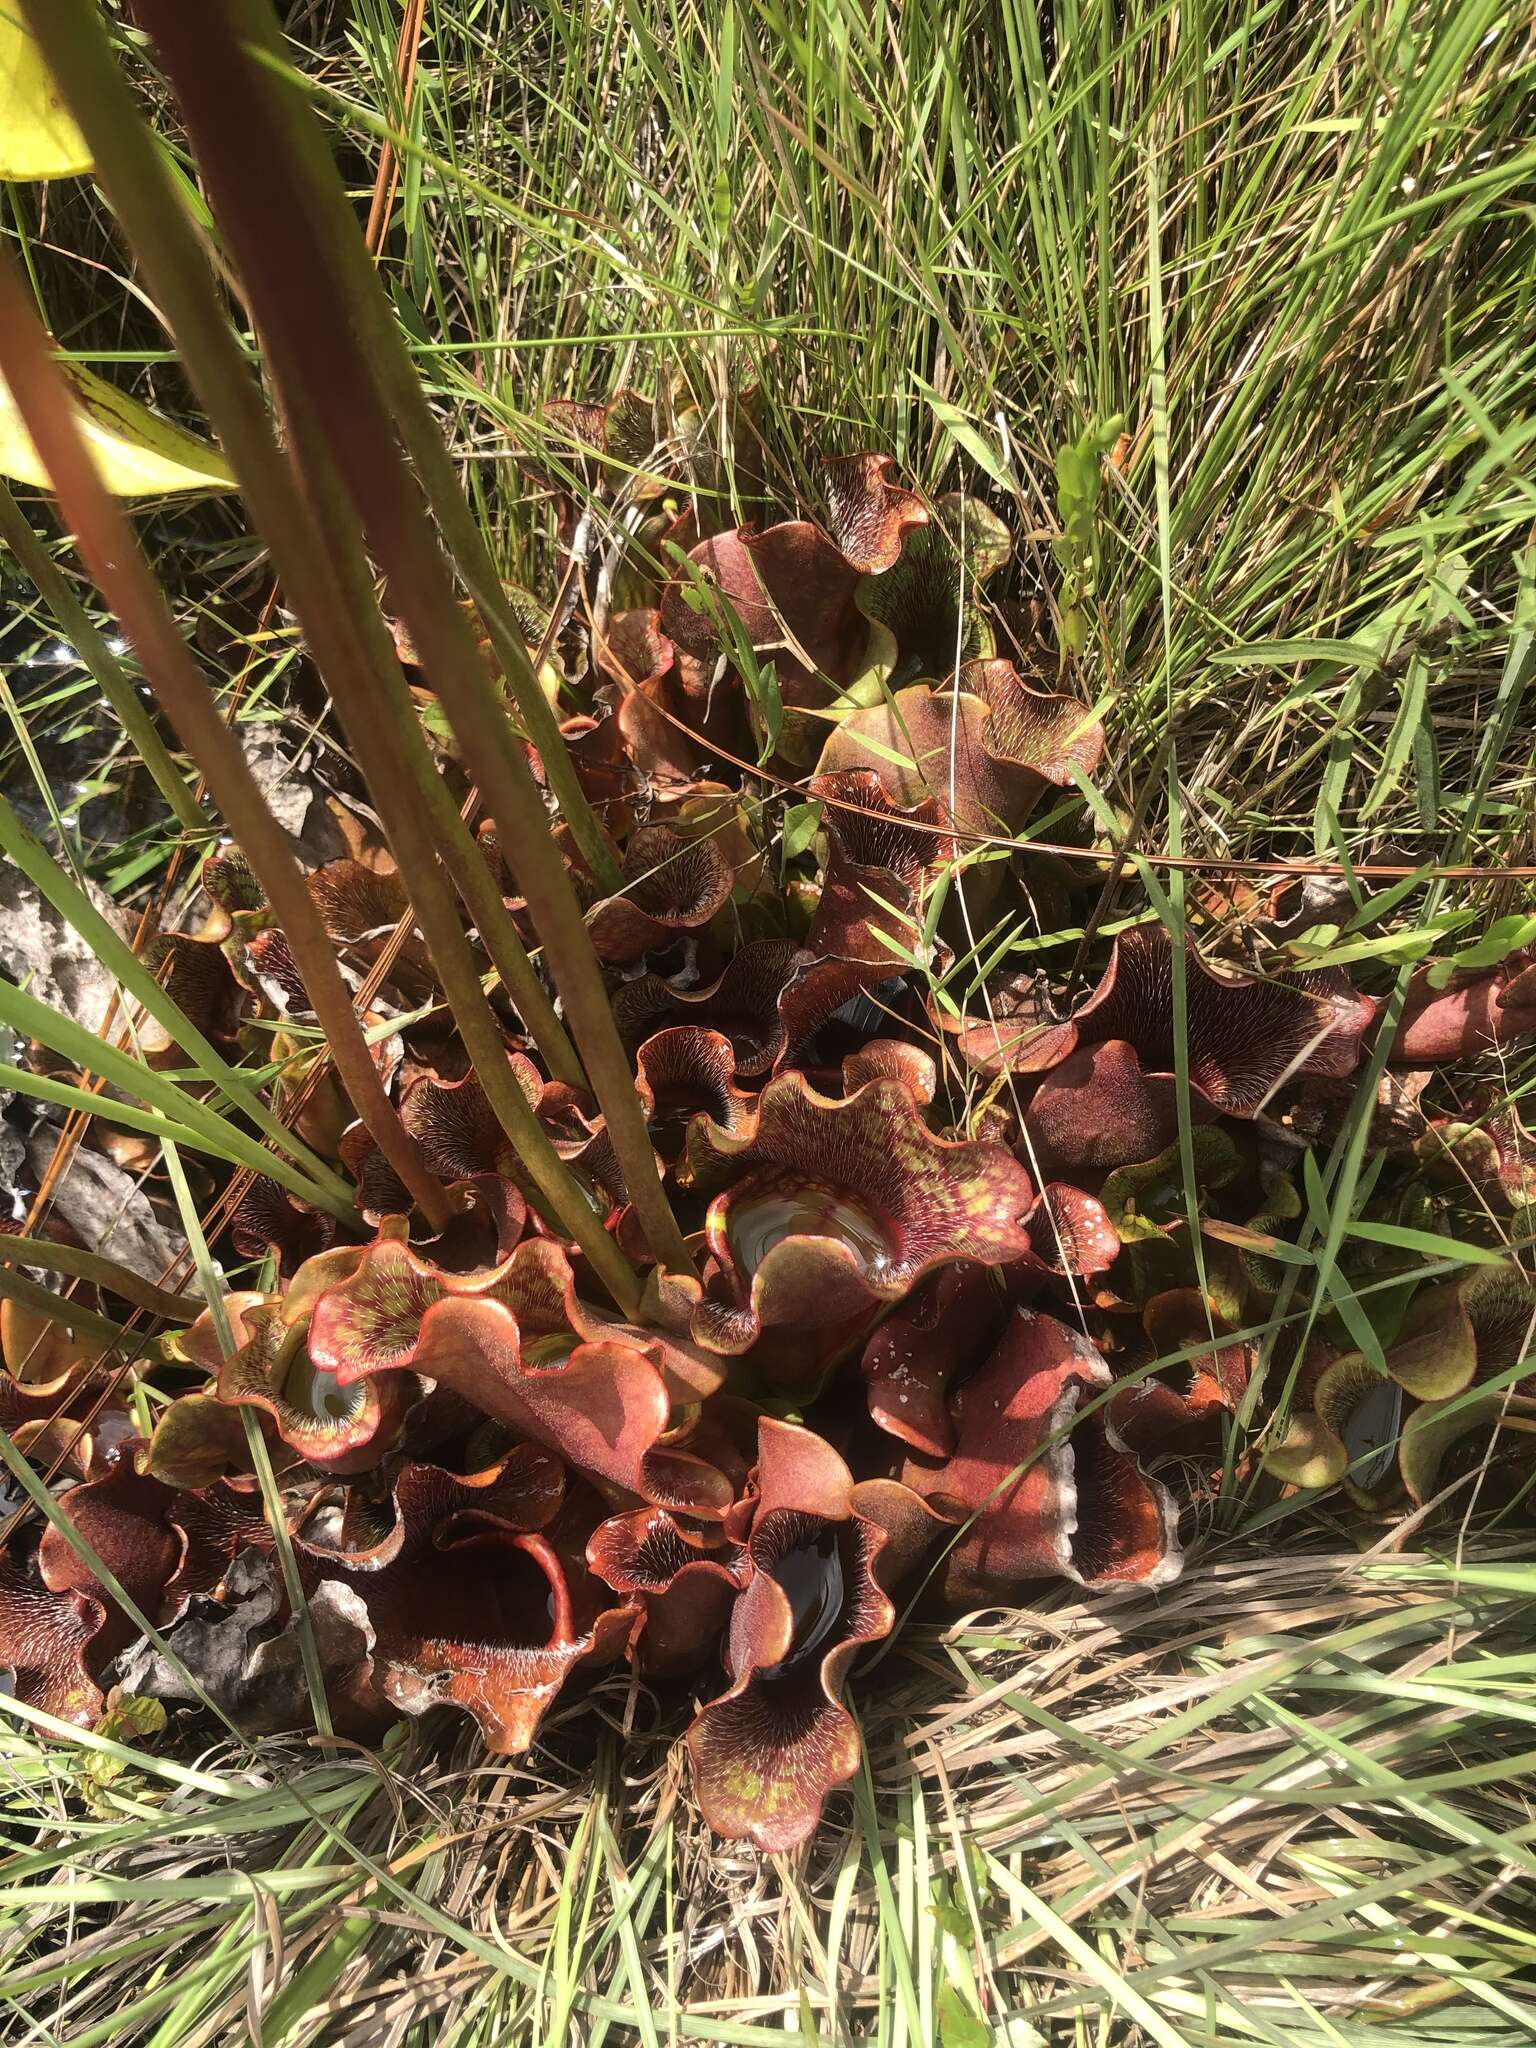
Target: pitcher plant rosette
(707, 1187)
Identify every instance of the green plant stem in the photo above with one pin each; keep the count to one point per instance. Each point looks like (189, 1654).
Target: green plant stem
(307, 319)
(384, 735)
(345, 622)
(378, 697)
(182, 1112)
(481, 897)
(407, 407)
(321, 562)
(124, 578)
(74, 623)
(49, 1257)
(80, 1322)
(42, 1088)
(472, 558)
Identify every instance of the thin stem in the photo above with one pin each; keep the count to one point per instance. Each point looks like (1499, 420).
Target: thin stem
(377, 693)
(313, 539)
(422, 437)
(234, 106)
(384, 736)
(45, 1256)
(472, 558)
(405, 403)
(75, 624)
(83, 1323)
(125, 579)
(481, 897)
(130, 165)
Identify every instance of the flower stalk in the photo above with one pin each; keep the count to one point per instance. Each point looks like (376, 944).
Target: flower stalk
(123, 576)
(328, 210)
(323, 567)
(130, 165)
(308, 318)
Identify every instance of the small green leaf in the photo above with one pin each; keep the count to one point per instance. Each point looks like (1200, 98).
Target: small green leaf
(951, 1919)
(1352, 1313)
(1504, 936)
(1426, 1241)
(965, 435)
(1282, 653)
(959, 2025)
(800, 824)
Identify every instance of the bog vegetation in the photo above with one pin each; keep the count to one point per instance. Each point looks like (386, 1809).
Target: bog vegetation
(811, 1306)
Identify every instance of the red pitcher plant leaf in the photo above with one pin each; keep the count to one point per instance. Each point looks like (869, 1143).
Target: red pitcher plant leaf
(869, 517)
(217, 1521)
(468, 1604)
(123, 1517)
(769, 1000)
(1008, 1029)
(927, 602)
(338, 1427)
(985, 751)
(272, 1369)
(196, 975)
(652, 708)
(1244, 1036)
(604, 775)
(1071, 1232)
(459, 1133)
(1349, 1421)
(821, 1556)
(791, 592)
(623, 433)
(1488, 1149)
(45, 1641)
(60, 1628)
(828, 1209)
(944, 1328)
(1099, 1109)
(268, 1218)
(683, 1072)
(361, 907)
(603, 1404)
(516, 1344)
(1039, 1493)
(891, 1059)
(685, 1579)
(881, 855)
(1112, 1100)
(673, 886)
(1470, 1014)
(1177, 1410)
